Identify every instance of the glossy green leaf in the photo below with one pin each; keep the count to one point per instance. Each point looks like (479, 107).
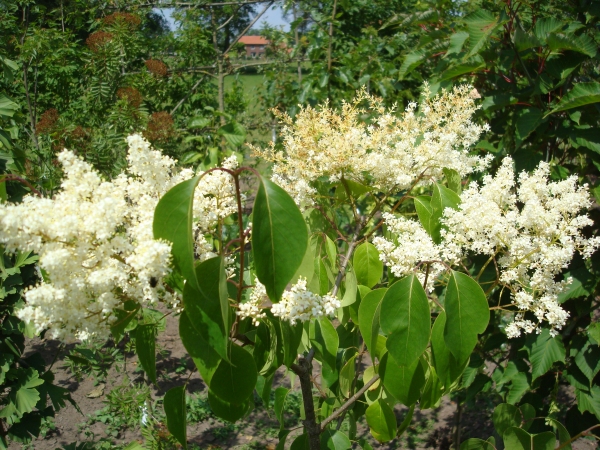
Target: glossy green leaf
(204, 357)
(405, 318)
(519, 439)
(208, 307)
(325, 340)
(453, 179)
(346, 379)
(544, 350)
(234, 133)
(480, 26)
(520, 384)
(425, 213)
(524, 40)
(368, 318)
(367, 265)
(581, 44)
(291, 335)
(506, 416)
(467, 315)
(546, 25)
(589, 400)
(582, 94)
(406, 421)
(274, 219)
(382, 421)
(586, 355)
(441, 199)
(457, 41)
(263, 388)
(563, 434)
(350, 287)
(231, 412)
(446, 365)
(173, 222)
(145, 344)
(280, 396)
(334, 440)
(432, 392)
(175, 411)
(265, 347)
(234, 382)
(526, 121)
(476, 444)
(300, 443)
(403, 382)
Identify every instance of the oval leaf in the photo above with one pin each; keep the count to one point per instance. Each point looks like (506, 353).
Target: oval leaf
(405, 317)
(368, 318)
(208, 307)
(145, 347)
(367, 265)
(175, 410)
(205, 358)
(231, 412)
(382, 421)
(403, 382)
(275, 219)
(234, 382)
(467, 315)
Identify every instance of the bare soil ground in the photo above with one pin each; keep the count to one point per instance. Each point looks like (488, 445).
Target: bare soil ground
(431, 429)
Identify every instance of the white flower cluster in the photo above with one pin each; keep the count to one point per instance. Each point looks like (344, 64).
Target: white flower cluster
(394, 151)
(533, 232)
(532, 229)
(254, 306)
(300, 304)
(412, 245)
(297, 304)
(95, 242)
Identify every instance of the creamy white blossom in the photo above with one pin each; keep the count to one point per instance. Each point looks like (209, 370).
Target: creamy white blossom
(533, 229)
(95, 241)
(299, 304)
(392, 153)
(254, 306)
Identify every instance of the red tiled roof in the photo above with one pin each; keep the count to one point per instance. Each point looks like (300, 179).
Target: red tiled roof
(253, 40)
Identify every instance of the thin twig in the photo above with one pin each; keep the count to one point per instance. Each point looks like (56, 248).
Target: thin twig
(349, 403)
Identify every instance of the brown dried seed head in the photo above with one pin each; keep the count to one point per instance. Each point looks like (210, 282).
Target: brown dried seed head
(157, 67)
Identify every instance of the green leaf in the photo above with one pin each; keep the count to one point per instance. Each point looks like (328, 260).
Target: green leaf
(519, 439)
(446, 365)
(589, 400)
(367, 265)
(467, 315)
(280, 396)
(405, 317)
(520, 383)
(325, 340)
(173, 222)
(145, 349)
(524, 40)
(506, 416)
(432, 392)
(441, 199)
(263, 388)
(124, 318)
(581, 44)
(234, 133)
(593, 331)
(480, 26)
(350, 286)
(346, 378)
(582, 94)
(411, 62)
(291, 335)
(208, 307)
(545, 26)
(300, 443)
(457, 40)
(381, 420)
(544, 350)
(403, 382)
(368, 318)
(527, 120)
(587, 356)
(334, 440)
(425, 213)
(453, 179)
(205, 358)
(7, 106)
(476, 444)
(265, 348)
(461, 69)
(563, 434)
(230, 412)
(175, 410)
(234, 382)
(277, 257)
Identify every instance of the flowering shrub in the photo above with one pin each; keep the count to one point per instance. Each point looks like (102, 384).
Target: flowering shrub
(386, 244)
